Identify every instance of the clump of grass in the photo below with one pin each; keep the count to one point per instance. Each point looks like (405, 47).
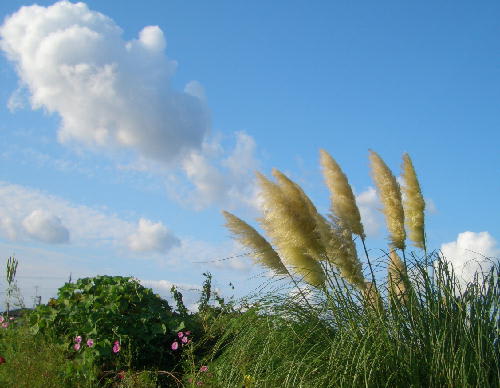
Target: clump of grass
(436, 338)
(32, 361)
(410, 330)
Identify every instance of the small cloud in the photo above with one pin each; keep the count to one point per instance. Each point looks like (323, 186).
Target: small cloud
(165, 285)
(44, 226)
(471, 253)
(430, 206)
(195, 89)
(369, 205)
(17, 100)
(152, 237)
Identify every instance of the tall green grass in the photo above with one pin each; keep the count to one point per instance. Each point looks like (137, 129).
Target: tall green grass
(439, 336)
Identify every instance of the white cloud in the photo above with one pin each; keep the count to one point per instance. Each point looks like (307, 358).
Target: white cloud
(218, 177)
(165, 285)
(113, 94)
(107, 91)
(27, 214)
(430, 206)
(369, 205)
(151, 237)
(46, 227)
(17, 100)
(471, 253)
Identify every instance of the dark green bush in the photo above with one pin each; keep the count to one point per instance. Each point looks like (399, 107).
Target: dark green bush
(108, 309)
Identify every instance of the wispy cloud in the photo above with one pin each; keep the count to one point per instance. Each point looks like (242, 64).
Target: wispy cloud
(217, 176)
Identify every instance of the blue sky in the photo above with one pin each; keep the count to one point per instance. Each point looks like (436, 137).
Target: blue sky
(121, 143)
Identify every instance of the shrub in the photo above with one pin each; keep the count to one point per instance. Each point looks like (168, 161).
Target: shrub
(126, 323)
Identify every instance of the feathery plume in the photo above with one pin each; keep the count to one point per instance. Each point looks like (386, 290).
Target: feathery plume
(397, 276)
(390, 196)
(309, 215)
(250, 238)
(414, 204)
(330, 241)
(287, 221)
(304, 265)
(341, 251)
(341, 195)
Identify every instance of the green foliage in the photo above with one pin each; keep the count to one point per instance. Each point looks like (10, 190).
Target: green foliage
(437, 337)
(32, 361)
(108, 309)
(179, 302)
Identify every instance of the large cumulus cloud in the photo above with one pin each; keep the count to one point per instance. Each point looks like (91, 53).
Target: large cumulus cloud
(107, 91)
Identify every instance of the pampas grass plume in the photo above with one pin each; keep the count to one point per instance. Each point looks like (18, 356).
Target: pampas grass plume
(288, 222)
(342, 252)
(308, 215)
(390, 196)
(250, 238)
(397, 276)
(414, 204)
(341, 195)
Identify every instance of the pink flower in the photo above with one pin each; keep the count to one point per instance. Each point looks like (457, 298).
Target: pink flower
(199, 383)
(184, 340)
(116, 347)
(76, 347)
(12, 318)
(2, 360)
(78, 339)
(121, 374)
(90, 343)
(187, 333)
(175, 345)
(180, 334)
(5, 325)
(204, 368)
(2, 318)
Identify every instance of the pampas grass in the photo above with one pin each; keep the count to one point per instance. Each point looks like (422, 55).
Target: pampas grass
(331, 241)
(288, 223)
(298, 199)
(343, 202)
(390, 196)
(414, 204)
(397, 276)
(250, 238)
(342, 253)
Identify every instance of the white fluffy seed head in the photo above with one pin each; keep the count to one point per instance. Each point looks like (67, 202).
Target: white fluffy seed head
(250, 238)
(414, 204)
(343, 202)
(390, 196)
